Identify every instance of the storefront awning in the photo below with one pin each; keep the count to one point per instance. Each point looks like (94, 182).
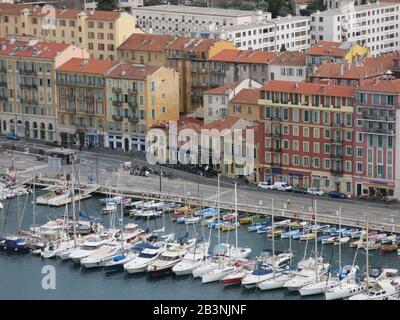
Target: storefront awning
(378, 186)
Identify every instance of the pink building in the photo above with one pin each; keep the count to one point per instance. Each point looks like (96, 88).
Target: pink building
(377, 105)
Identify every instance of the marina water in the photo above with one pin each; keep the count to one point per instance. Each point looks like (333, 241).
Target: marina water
(21, 275)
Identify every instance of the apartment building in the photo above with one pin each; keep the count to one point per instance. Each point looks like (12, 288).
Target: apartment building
(138, 98)
(290, 33)
(376, 124)
(28, 86)
(245, 105)
(99, 32)
(374, 25)
(229, 66)
(288, 66)
(351, 74)
(191, 21)
(188, 56)
(308, 134)
(82, 101)
(216, 100)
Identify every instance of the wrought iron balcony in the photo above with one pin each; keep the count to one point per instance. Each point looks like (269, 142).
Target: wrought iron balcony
(117, 103)
(133, 119)
(117, 118)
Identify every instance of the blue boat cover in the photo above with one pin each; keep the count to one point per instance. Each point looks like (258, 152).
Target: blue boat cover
(119, 258)
(260, 272)
(84, 214)
(143, 245)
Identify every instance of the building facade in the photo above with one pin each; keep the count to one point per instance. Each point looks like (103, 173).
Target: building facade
(308, 135)
(99, 32)
(192, 21)
(372, 25)
(229, 66)
(288, 66)
(28, 86)
(290, 33)
(376, 124)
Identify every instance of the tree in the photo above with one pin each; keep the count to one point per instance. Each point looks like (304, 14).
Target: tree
(107, 5)
(312, 7)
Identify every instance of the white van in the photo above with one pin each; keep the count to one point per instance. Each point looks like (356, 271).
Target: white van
(282, 186)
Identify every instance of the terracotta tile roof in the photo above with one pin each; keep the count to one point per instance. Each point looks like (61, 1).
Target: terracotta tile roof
(223, 89)
(302, 1)
(387, 86)
(327, 48)
(146, 42)
(89, 66)
(40, 50)
(192, 44)
(290, 58)
(247, 96)
(224, 123)
(12, 9)
(130, 71)
(243, 56)
(102, 15)
(309, 88)
(366, 68)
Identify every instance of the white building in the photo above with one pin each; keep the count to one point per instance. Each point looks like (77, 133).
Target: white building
(292, 33)
(375, 25)
(192, 21)
(216, 100)
(130, 5)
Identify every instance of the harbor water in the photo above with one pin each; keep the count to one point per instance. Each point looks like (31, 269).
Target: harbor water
(21, 275)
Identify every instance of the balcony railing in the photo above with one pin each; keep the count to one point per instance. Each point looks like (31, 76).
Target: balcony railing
(133, 119)
(132, 90)
(117, 103)
(378, 130)
(115, 89)
(28, 86)
(369, 116)
(27, 72)
(117, 118)
(336, 172)
(132, 103)
(3, 84)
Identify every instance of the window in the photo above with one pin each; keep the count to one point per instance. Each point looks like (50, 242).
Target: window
(305, 132)
(100, 46)
(110, 36)
(359, 167)
(316, 133)
(110, 47)
(100, 36)
(100, 25)
(306, 146)
(316, 147)
(91, 24)
(295, 131)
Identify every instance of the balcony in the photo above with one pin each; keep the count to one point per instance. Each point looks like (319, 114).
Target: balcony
(69, 110)
(117, 103)
(337, 156)
(132, 91)
(276, 149)
(369, 116)
(91, 112)
(28, 100)
(115, 89)
(337, 140)
(275, 118)
(89, 98)
(3, 84)
(132, 104)
(276, 134)
(378, 130)
(336, 172)
(117, 118)
(133, 119)
(336, 125)
(28, 86)
(3, 98)
(27, 72)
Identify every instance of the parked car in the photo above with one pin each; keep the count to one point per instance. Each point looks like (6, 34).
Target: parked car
(337, 195)
(265, 186)
(12, 136)
(282, 186)
(299, 189)
(315, 192)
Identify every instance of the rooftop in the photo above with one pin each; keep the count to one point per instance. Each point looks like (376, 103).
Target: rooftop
(90, 66)
(199, 10)
(191, 44)
(329, 48)
(146, 42)
(309, 88)
(243, 56)
(33, 48)
(360, 8)
(290, 58)
(224, 123)
(223, 90)
(247, 96)
(376, 85)
(130, 71)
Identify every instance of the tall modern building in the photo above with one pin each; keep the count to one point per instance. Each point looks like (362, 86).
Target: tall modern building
(374, 25)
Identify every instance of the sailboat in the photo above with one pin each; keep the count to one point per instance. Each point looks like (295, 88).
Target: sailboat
(350, 286)
(314, 270)
(192, 259)
(225, 268)
(278, 279)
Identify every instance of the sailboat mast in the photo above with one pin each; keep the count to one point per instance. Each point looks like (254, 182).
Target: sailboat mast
(34, 201)
(236, 218)
(316, 240)
(73, 205)
(122, 210)
(219, 229)
(273, 236)
(367, 251)
(340, 237)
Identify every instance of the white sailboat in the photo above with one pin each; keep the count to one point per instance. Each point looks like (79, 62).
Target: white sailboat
(192, 259)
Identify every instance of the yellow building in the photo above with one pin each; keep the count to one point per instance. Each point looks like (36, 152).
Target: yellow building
(81, 89)
(186, 55)
(245, 105)
(99, 32)
(138, 97)
(28, 87)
